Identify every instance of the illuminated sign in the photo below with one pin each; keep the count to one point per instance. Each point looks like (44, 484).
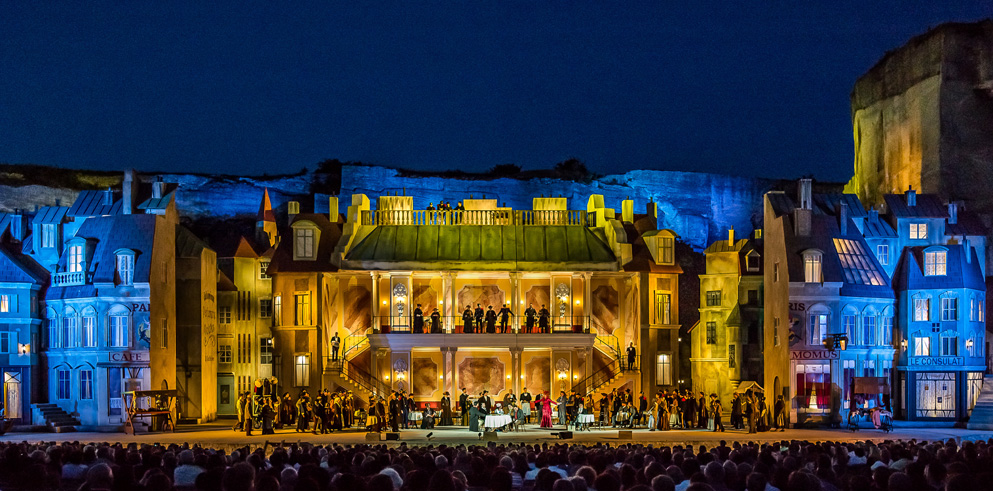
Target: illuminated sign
(814, 354)
(937, 361)
(127, 356)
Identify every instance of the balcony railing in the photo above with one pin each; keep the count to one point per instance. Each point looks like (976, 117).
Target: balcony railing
(478, 217)
(395, 324)
(75, 278)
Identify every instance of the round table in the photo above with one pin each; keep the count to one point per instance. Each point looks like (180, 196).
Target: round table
(494, 421)
(415, 416)
(584, 419)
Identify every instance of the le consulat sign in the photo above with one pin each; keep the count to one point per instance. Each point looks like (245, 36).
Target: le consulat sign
(937, 361)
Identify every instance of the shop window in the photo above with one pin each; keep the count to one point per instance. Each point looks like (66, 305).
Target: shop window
(935, 394)
(813, 382)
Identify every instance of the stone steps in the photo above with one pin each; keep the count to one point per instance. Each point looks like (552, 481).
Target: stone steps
(982, 413)
(55, 418)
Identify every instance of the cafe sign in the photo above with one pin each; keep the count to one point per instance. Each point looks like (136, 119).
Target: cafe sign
(937, 361)
(128, 356)
(814, 354)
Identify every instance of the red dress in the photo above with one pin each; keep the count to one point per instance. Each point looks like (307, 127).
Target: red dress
(546, 413)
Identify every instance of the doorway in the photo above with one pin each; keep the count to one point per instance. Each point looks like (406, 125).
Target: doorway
(13, 398)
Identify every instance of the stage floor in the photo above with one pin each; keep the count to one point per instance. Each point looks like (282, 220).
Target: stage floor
(220, 435)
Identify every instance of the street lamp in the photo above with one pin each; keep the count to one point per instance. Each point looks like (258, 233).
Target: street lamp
(836, 341)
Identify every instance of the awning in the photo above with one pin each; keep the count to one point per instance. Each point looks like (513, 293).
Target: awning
(871, 385)
(748, 385)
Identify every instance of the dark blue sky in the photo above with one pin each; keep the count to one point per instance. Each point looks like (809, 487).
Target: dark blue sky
(751, 88)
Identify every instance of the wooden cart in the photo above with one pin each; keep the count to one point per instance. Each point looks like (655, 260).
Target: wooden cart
(156, 405)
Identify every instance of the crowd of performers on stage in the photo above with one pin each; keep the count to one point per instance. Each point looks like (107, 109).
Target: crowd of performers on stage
(479, 320)
(336, 411)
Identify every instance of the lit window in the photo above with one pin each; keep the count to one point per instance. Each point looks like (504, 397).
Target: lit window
(88, 334)
(714, 298)
(48, 235)
(663, 308)
(922, 346)
(667, 247)
(263, 268)
(304, 243)
(818, 328)
(119, 331)
(848, 321)
(125, 268)
(301, 370)
(86, 384)
(883, 254)
(74, 263)
(265, 351)
(918, 231)
(224, 315)
(277, 310)
(224, 353)
(5, 302)
(63, 389)
(265, 308)
(949, 309)
(949, 344)
(711, 333)
(922, 309)
(869, 330)
(812, 267)
(663, 370)
(935, 263)
(302, 309)
(856, 263)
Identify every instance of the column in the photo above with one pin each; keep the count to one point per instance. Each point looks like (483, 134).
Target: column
(446, 294)
(587, 306)
(589, 361)
(454, 302)
(515, 302)
(449, 358)
(516, 369)
(375, 303)
(373, 364)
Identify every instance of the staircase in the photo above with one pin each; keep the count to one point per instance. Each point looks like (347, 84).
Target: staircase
(54, 417)
(352, 377)
(982, 413)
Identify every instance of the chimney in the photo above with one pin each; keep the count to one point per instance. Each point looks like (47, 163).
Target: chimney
(843, 218)
(130, 188)
(731, 237)
(911, 196)
(108, 197)
(627, 210)
(953, 212)
(292, 209)
(158, 187)
(802, 214)
(873, 214)
(333, 208)
(967, 249)
(18, 225)
(652, 209)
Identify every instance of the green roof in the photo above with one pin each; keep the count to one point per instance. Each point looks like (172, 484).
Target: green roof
(481, 247)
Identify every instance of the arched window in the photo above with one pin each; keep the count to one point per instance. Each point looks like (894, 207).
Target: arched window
(922, 308)
(935, 261)
(949, 343)
(949, 307)
(52, 323)
(868, 329)
(70, 325)
(886, 327)
(817, 325)
(849, 322)
(124, 266)
(922, 344)
(88, 328)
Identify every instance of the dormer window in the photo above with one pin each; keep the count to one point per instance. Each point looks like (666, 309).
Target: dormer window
(752, 262)
(48, 234)
(812, 266)
(935, 262)
(667, 248)
(125, 267)
(303, 243)
(918, 231)
(74, 261)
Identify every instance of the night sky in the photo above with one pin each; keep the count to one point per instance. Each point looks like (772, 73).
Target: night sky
(751, 88)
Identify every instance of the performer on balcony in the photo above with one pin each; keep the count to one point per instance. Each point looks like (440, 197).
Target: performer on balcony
(435, 321)
(418, 320)
(543, 316)
(632, 353)
(491, 318)
(504, 318)
(335, 344)
(479, 313)
(467, 319)
(529, 318)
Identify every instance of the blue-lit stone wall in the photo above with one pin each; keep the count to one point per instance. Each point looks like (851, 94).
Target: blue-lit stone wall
(699, 207)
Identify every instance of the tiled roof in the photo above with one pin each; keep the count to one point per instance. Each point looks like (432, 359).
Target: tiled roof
(107, 235)
(50, 214)
(966, 224)
(245, 249)
(641, 258)
(827, 204)
(909, 274)
(156, 203)
(722, 246)
(928, 206)
(282, 258)
(551, 247)
(94, 204)
(876, 227)
(224, 283)
(18, 268)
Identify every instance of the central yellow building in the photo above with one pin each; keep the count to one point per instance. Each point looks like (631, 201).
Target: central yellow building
(608, 281)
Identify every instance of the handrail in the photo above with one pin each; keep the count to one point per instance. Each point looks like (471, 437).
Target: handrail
(598, 378)
(358, 375)
(353, 342)
(478, 217)
(453, 324)
(610, 342)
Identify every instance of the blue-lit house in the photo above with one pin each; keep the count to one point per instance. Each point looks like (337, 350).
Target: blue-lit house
(22, 280)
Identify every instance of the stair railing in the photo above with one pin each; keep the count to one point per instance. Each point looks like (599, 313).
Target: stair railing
(360, 377)
(598, 378)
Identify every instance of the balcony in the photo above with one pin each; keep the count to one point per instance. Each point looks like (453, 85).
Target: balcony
(75, 278)
(478, 217)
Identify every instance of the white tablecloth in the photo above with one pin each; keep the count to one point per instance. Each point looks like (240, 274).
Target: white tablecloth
(494, 421)
(585, 419)
(415, 416)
